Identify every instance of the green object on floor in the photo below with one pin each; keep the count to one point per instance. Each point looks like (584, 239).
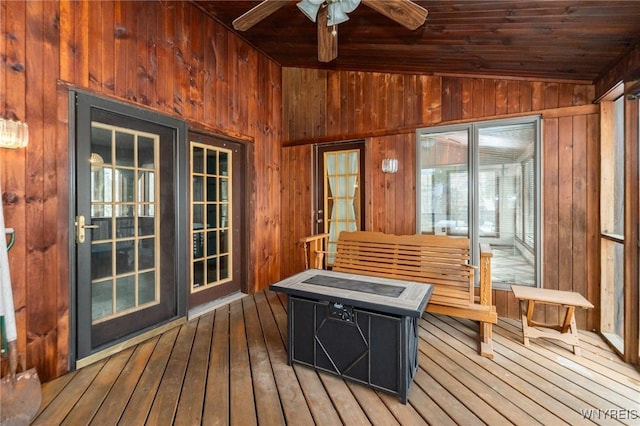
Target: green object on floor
(3, 332)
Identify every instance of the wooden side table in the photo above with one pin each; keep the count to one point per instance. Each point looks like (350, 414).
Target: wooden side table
(567, 331)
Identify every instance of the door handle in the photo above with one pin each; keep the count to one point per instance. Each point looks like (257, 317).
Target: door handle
(80, 229)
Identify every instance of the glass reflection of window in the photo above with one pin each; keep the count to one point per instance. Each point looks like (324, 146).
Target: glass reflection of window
(210, 216)
(123, 204)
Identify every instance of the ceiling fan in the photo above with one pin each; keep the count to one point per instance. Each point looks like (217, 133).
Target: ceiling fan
(329, 13)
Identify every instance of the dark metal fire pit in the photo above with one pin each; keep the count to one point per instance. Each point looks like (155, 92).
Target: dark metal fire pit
(358, 327)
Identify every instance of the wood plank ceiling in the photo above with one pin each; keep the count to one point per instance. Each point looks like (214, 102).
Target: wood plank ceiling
(573, 41)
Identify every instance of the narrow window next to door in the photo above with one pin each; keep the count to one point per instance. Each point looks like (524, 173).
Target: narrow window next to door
(211, 256)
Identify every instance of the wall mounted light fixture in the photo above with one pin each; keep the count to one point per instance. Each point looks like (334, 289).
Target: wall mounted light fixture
(390, 165)
(13, 134)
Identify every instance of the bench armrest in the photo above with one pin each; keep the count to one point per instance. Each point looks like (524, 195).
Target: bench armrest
(314, 250)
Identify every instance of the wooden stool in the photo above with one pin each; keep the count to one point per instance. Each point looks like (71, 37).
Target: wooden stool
(567, 331)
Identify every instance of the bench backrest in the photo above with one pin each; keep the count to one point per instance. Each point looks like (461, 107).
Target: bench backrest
(434, 259)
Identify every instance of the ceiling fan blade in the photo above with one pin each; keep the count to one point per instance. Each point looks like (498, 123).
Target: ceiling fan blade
(327, 41)
(404, 12)
(258, 13)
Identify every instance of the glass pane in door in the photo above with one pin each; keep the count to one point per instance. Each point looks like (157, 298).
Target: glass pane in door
(444, 183)
(342, 195)
(124, 197)
(506, 200)
(211, 257)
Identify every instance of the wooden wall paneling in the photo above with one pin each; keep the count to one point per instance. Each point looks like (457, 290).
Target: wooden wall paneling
(80, 43)
(165, 57)
(451, 98)
(232, 75)
(368, 97)
(513, 96)
(592, 260)
(135, 88)
(359, 104)
(297, 199)
(13, 162)
(136, 52)
(477, 97)
(317, 108)
(210, 101)
(66, 40)
(348, 85)
(95, 36)
(537, 96)
(50, 202)
(222, 86)
(383, 100)
(412, 100)
(196, 68)
(467, 99)
(107, 47)
(389, 216)
(565, 204)
(148, 47)
(551, 95)
(250, 113)
(525, 93)
(122, 33)
(180, 74)
(395, 107)
(63, 214)
(290, 263)
(436, 99)
(375, 185)
(579, 213)
(502, 96)
(489, 94)
(550, 183)
(267, 165)
(565, 95)
(408, 170)
(275, 145)
(38, 298)
(374, 110)
(500, 298)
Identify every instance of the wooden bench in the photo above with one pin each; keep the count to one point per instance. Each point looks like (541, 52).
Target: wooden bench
(434, 259)
(567, 331)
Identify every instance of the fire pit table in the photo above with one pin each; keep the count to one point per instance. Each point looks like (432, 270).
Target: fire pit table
(358, 327)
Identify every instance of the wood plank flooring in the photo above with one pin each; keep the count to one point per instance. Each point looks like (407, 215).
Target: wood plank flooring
(229, 367)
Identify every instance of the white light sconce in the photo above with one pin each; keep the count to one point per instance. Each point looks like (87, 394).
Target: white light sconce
(390, 165)
(13, 134)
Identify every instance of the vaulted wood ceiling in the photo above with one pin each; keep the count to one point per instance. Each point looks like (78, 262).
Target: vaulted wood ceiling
(556, 40)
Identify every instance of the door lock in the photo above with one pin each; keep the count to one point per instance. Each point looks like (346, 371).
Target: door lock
(80, 229)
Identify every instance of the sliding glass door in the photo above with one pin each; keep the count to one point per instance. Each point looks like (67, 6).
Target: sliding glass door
(481, 180)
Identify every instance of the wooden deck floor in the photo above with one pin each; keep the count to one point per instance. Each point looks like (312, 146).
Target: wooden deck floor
(229, 367)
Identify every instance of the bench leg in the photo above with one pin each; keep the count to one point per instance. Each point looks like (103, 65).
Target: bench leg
(486, 339)
(524, 316)
(571, 328)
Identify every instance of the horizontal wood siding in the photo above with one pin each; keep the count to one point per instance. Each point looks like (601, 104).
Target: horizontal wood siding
(386, 109)
(166, 56)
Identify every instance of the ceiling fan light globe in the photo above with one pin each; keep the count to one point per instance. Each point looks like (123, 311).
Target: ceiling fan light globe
(336, 15)
(310, 8)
